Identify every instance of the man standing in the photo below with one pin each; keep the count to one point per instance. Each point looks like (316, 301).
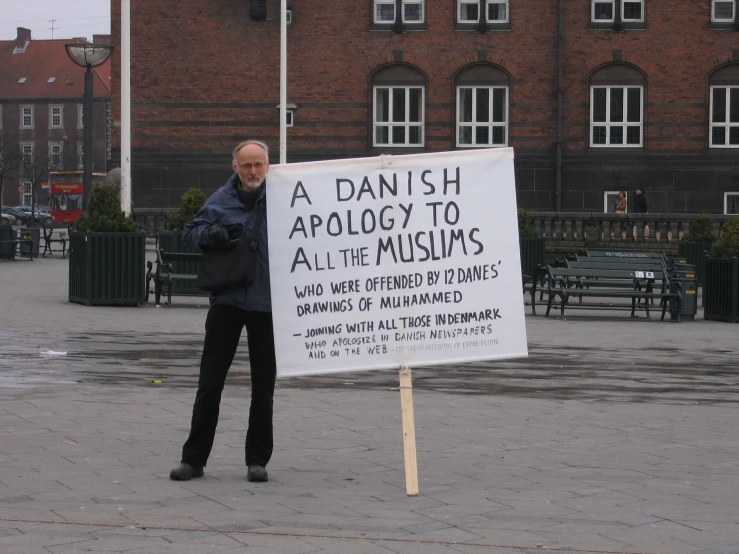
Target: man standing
(640, 202)
(229, 211)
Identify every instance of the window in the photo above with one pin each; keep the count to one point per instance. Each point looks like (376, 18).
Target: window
(496, 11)
(603, 10)
(288, 16)
(605, 14)
(611, 199)
(398, 116)
(722, 11)
(724, 117)
(482, 100)
(616, 116)
(482, 116)
(398, 106)
(617, 106)
(290, 116)
(55, 117)
(27, 153)
(387, 13)
(80, 155)
(26, 117)
(724, 107)
(27, 193)
(80, 116)
(55, 154)
(731, 203)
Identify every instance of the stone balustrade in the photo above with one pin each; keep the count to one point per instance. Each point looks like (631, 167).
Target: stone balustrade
(566, 230)
(658, 231)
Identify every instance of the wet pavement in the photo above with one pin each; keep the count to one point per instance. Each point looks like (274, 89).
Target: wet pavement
(615, 435)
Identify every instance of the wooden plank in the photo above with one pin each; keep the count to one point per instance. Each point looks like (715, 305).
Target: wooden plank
(409, 432)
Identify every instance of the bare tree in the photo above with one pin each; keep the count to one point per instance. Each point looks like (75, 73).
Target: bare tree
(10, 161)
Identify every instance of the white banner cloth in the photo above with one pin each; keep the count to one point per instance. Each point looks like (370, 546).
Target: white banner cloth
(393, 260)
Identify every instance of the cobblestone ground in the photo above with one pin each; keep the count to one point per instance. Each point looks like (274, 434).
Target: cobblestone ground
(615, 435)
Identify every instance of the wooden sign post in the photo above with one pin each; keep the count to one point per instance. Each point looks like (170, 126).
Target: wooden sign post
(409, 432)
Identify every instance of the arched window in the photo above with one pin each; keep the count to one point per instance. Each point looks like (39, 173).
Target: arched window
(482, 106)
(724, 111)
(398, 107)
(617, 107)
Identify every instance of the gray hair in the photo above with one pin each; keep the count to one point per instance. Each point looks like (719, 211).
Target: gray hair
(248, 142)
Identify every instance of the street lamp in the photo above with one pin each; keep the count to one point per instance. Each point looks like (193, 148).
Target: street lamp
(88, 55)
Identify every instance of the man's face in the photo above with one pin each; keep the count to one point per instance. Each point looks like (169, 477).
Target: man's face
(251, 165)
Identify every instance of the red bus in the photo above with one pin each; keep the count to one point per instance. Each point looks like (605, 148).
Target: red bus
(66, 193)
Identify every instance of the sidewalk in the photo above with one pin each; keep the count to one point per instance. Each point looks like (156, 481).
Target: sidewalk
(615, 435)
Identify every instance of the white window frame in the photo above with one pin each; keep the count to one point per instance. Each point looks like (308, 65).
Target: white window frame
(80, 116)
(24, 115)
(490, 124)
(623, 11)
(290, 117)
(615, 193)
(487, 3)
(726, 202)
(377, 3)
(714, 19)
(406, 123)
(52, 115)
(288, 16)
(26, 149)
(27, 193)
(593, 3)
(609, 125)
(460, 4)
(613, 11)
(52, 147)
(727, 125)
(507, 11)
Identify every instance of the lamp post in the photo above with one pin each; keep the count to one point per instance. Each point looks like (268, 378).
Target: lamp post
(88, 55)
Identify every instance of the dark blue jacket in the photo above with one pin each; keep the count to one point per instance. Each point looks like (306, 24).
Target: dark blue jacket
(224, 207)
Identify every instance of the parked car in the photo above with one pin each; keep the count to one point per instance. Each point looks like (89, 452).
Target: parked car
(35, 213)
(20, 216)
(7, 218)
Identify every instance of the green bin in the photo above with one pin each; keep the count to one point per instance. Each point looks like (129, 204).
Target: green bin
(29, 250)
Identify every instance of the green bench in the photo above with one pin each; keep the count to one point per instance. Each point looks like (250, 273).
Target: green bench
(175, 273)
(563, 283)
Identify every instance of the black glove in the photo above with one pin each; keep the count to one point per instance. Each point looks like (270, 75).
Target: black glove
(235, 230)
(218, 236)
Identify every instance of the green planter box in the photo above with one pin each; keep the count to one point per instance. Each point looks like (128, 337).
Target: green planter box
(106, 269)
(173, 241)
(721, 289)
(532, 254)
(694, 253)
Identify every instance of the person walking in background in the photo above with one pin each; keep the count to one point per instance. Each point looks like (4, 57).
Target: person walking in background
(621, 204)
(640, 202)
(640, 207)
(229, 212)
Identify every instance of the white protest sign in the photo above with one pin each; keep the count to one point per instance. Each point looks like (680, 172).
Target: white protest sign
(394, 260)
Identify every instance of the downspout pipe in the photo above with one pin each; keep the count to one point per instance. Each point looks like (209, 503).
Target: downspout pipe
(560, 53)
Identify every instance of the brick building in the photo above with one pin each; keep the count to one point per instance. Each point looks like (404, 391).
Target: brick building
(41, 94)
(649, 91)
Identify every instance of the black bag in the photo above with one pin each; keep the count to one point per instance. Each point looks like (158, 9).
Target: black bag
(235, 268)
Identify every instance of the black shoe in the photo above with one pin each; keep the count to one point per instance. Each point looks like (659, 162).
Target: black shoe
(256, 474)
(185, 472)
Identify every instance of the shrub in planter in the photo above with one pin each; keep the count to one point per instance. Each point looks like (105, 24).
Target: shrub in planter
(191, 202)
(721, 284)
(526, 228)
(104, 215)
(106, 253)
(727, 246)
(700, 230)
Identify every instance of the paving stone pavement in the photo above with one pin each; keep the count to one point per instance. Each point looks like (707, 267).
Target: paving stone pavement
(616, 435)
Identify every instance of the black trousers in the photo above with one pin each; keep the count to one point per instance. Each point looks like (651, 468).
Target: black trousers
(223, 328)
